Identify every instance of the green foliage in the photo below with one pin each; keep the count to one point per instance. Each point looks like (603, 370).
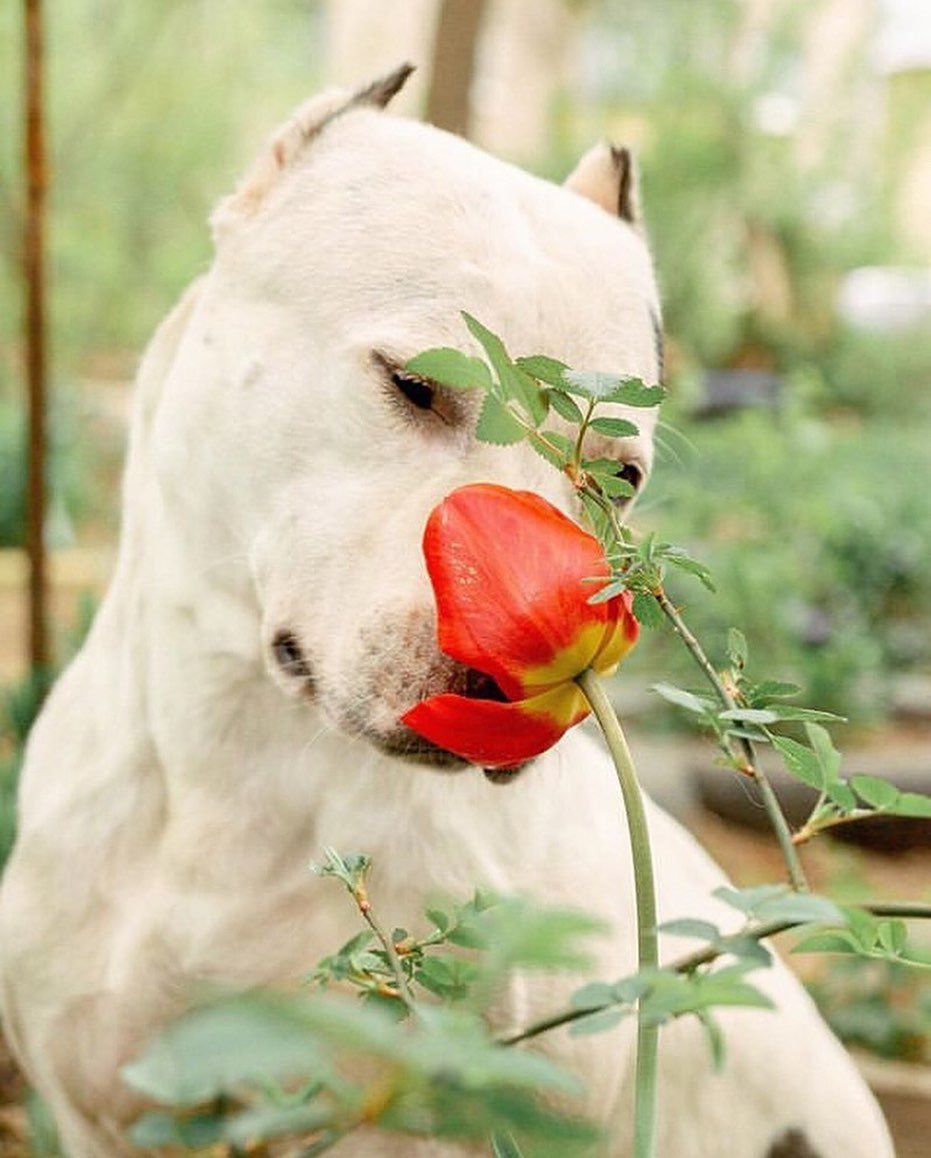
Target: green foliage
(882, 1006)
(817, 545)
(153, 110)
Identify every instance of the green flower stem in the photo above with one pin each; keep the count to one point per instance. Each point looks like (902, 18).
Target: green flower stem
(777, 819)
(645, 890)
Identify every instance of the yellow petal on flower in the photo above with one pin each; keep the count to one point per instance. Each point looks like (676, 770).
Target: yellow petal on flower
(570, 661)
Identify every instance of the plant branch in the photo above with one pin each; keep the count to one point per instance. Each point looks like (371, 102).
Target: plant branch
(748, 764)
(360, 896)
(645, 890)
(903, 910)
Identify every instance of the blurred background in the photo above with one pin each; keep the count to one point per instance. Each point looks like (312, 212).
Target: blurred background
(785, 155)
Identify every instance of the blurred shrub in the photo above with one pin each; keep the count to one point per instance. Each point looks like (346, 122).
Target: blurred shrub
(71, 492)
(877, 1005)
(817, 539)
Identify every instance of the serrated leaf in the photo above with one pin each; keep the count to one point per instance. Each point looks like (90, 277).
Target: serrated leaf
(612, 388)
(450, 367)
(647, 612)
(613, 486)
(565, 407)
(876, 792)
(803, 908)
(513, 382)
(497, 425)
(802, 762)
(691, 566)
(548, 370)
(614, 427)
(610, 591)
(546, 449)
(678, 696)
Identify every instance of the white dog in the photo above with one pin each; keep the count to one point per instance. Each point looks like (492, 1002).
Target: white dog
(236, 706)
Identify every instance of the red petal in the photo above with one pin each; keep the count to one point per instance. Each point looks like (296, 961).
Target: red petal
(509, 572)
(496, 735)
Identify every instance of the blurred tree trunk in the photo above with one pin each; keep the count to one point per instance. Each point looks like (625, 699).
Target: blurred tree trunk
(35, 333)
(454, 54)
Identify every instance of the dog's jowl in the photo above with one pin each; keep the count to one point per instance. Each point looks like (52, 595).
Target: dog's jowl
(236, 706)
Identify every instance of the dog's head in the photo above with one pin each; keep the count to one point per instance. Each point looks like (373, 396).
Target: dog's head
(288, 433)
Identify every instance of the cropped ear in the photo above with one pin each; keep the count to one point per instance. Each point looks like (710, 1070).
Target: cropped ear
(607, 175)
(287, 143)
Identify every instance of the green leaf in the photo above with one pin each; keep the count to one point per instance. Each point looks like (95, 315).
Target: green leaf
(773, 689)
(544, 369)
(835, 941)
(514, 382)
(565, 407)
(556, 448)
(876, 792)
(599, 1022)
(913, 804)
(842, 795)
(648, 612)
(612, 388)
(788, 712)
(678, 558)
(213, 1049)
(611, 485)
(159, 1128)
(820, 740)
(497, 425)
(450, 367)
(679, 696)
(692, 927)
(802, 762)
(737, 650)
(614, 427)
(749, 715)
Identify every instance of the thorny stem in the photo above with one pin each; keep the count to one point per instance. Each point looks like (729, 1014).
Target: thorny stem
(645, 891)
(360, 896)
(749, 764)
(688, 964)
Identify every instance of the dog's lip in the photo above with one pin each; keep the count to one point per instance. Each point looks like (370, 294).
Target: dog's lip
(405, 744)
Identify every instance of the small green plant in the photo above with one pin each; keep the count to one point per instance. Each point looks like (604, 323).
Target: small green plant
(266, 1067)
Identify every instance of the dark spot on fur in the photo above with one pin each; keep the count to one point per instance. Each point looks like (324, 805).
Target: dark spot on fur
(792, 1144)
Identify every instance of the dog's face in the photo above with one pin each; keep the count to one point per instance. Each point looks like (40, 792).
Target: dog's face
(296, 437)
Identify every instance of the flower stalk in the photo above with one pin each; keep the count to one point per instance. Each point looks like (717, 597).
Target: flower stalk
(645, 894)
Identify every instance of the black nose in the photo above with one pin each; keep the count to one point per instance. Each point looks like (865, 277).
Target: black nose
(478, 686)
(289, 655)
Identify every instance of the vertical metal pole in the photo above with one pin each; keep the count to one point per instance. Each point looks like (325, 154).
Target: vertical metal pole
(35, 335)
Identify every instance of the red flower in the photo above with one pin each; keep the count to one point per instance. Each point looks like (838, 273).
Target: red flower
(509, 574)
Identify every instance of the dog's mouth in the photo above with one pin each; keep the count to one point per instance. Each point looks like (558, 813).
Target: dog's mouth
(406, 744)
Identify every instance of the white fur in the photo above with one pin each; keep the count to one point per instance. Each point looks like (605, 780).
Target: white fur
(174, 792)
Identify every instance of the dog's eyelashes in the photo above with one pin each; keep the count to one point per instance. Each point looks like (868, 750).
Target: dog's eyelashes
(417, 391)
